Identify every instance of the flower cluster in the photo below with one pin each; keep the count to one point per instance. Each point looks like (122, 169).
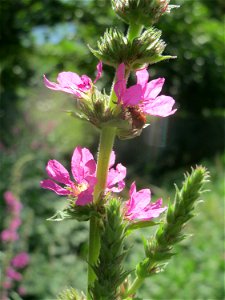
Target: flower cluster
(14, 206)
(20, 261)
(134, 103)
(12, 272)
(83, 167)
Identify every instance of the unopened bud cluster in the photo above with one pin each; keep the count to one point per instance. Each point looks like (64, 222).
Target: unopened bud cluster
(114, 48)
(143, 12)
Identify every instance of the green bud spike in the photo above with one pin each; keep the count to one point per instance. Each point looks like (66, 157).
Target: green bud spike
(109, 271)
(114, 48)
(142, 12)
(159, 249)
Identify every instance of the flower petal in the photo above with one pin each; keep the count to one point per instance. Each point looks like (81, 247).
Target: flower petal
(132, 95)
(120, 89)
(112, 159)
(69, 79)
(161, 106)
(58, 87)
(91, 181)
(153, 88)
(56, 171)
(50, 185)
(116, 177)
(99, 71)
(138, 202)
(120, 73)
(82, 164)
(84, 198)
(142, 77)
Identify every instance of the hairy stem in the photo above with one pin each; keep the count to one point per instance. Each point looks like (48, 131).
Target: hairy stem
(105, 149)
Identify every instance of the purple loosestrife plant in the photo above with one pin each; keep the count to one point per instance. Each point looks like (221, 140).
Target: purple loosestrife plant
(13, 265)
(94, 192)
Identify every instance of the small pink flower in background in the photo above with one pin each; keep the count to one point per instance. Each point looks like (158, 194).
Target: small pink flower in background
(21, 291)
(21, 260)
(7, 284)
(12, 202)
(72, 83)
(138, 207)
(8, 235)
(15, 223)
(83, 167)
(144, 94)
(13, 274)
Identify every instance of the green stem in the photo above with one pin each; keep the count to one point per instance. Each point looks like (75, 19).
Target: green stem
(105, 149)
(134, 31)
(135, 285)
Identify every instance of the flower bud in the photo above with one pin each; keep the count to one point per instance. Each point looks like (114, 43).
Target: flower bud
(142, 12)
(114, 48)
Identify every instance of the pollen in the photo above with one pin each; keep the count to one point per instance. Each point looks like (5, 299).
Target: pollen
(78, 188)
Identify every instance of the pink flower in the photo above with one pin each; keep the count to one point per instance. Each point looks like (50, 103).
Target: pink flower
(8, 235)
(139, 206)
(7, 284)
(72, 83)
(13, 274)
(21, 260)
(21, 290)
(13, 203)
(83, 167)
(144, 94)
(15, 223)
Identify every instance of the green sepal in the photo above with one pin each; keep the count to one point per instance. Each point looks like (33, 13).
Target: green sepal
(79, 213)
(114, 48)
(142, 12)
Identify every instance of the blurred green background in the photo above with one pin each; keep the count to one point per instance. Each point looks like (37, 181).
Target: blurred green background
(49, 36)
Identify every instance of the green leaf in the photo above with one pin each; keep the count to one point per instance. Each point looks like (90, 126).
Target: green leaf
(140, 224)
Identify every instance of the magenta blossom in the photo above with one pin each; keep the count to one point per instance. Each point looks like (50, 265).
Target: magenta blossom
(144, 94)
(72, 83)
(21, 260)
(22, 290)
(138, 207)
(13, 274)
(15, 223)
(8, 235)
(83, 167)
(12, 202)
(7, 284)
